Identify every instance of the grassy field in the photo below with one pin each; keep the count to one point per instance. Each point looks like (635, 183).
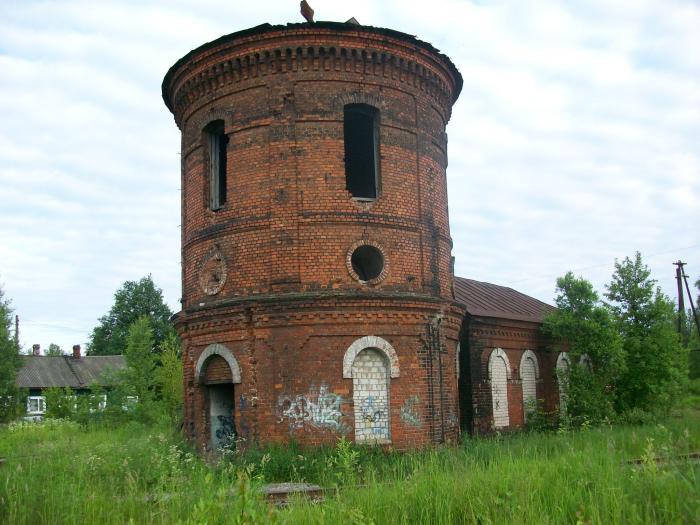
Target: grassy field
(57, 473)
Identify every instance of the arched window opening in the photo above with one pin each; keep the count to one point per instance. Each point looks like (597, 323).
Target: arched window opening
(216, 142)
(361, 134)
(499, 373)
(529, 372)
(563, 380)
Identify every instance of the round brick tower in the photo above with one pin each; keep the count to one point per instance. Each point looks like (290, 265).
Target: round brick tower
(316, 252)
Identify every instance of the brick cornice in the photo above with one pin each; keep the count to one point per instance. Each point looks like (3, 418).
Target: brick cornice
(301, 308)
(202, 73)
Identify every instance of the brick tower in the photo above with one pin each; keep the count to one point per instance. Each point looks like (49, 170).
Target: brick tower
(316, 252)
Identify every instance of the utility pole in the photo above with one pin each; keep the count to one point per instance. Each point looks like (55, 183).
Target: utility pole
(681, 307)
(692, 304)
(17, 330)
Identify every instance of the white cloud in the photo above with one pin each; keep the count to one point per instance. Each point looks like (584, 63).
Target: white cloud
(574, 140)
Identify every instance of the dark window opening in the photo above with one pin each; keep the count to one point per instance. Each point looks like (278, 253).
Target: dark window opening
(361, 132)
(367, 262)
(217, 144)
(466, 411)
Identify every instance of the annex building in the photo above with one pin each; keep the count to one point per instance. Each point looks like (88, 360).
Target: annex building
(319, 298)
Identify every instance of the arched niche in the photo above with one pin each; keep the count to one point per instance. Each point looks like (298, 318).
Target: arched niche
(499, 353)
(499, 374)
(563, 366)
(223, 351)
(529, 374)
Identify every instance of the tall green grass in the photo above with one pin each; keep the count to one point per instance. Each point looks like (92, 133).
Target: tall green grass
(580, 477)
(58, 472)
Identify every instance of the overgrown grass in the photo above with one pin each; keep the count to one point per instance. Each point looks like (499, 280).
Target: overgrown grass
(577, 477)
(57, 472)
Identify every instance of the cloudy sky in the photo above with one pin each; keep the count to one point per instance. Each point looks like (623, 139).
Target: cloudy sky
(576, 140)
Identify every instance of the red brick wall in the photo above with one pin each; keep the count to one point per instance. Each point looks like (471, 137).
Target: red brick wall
(483, 335)
(289, 307)
(294, 355)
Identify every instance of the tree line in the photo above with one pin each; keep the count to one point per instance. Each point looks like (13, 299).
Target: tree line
(137, 326)
(636, 364)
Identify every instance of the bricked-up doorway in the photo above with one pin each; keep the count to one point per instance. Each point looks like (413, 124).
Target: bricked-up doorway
(222, 430)
(370, 385)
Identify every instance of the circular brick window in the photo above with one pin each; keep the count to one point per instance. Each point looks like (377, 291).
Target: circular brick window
(366, 262)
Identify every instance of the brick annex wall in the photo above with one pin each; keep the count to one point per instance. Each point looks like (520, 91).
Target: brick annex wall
(483, 336)
(287, 307)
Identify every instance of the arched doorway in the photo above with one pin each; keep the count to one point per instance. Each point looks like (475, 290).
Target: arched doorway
(371, 362)
(217, 372)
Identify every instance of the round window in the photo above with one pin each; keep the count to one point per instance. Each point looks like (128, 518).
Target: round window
(367, 262)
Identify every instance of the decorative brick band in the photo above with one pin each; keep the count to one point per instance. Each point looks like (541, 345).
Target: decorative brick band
(311, 58)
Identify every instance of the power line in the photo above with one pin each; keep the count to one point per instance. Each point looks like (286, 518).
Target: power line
(576, 270)
(56, 326)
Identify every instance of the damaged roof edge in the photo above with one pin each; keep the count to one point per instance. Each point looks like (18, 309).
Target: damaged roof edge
(338, 26)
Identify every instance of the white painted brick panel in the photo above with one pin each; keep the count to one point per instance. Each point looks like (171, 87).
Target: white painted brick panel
(370, 385)
(499, 393)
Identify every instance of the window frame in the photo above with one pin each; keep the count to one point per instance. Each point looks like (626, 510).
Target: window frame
(370, 113)
(41, 405)
(215, 141)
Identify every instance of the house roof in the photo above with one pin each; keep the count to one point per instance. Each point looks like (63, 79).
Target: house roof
(40, 371)
(491, 300)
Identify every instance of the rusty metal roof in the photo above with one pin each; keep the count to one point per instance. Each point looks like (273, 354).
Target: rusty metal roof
(491, 300)
(40, 371)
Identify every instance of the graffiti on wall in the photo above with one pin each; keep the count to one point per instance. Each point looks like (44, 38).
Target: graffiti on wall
(318, 408)
(372, 414)
(225, 432)
(409, 411)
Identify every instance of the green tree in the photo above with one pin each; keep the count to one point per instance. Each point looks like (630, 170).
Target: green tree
(140, 362)
(60, 402)
(54, 350)
(583, 323)
(133, 300)
(9, 363)
(168, 377)
(656, 363)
